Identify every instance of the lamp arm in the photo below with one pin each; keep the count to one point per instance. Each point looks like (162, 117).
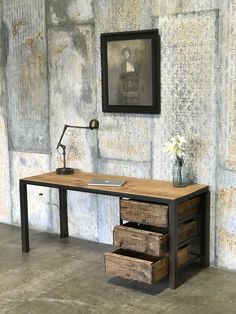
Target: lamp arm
(64, 130)
(76, 126)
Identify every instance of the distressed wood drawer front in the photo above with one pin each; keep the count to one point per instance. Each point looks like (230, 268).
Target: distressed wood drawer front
(186, 230)
(146, 213)
(140, 266)
(136, 266)
(149, 239)
(140, 238)
(188, 208)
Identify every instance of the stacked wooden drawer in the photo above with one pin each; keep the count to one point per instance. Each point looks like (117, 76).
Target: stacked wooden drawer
(143, 241)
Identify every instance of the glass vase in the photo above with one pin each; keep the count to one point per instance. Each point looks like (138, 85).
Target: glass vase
(179, 173)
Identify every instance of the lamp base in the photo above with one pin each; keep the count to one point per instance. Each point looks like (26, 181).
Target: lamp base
(64, 170)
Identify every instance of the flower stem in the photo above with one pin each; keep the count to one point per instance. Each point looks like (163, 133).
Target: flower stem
(179, 171)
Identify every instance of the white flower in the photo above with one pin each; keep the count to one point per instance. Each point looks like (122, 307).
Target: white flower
(175, 146)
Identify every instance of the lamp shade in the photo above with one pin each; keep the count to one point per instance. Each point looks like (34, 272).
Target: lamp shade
(94, 124)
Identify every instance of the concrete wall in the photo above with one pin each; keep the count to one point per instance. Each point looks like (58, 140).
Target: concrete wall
(5, 203)
(51, 75)
(226, 170)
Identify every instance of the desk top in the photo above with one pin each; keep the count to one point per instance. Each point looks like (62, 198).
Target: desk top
(146, 189)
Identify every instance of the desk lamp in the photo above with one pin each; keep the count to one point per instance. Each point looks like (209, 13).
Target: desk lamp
(93, 124)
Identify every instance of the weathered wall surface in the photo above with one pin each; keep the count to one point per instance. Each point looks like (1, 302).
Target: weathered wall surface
(189, 96)
(226, 174)
(26, 73)
(24, 164)
(5, 203)
(50, 61)
(72, 101)
(161, 7)
(226, 219)
(27, 119)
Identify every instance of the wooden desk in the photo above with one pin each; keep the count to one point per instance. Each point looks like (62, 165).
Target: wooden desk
(154, 191)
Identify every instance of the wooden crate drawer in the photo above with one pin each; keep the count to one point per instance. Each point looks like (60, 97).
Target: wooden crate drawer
(183, 255)
(136, 266)
(149, 239)
(186, 230)
(146, 213)
(188, 208)
(140, 238)
(141, 267)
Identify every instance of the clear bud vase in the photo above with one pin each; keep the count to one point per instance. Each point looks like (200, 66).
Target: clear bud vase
(179, 173)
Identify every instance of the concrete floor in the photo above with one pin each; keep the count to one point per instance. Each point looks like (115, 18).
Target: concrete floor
(67, 276)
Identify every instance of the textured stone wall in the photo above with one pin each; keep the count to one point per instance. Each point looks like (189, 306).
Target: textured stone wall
(47, 58)
(161, 7)
(189, 96)
(72, 101)
(50, 74)
(26, 75)
(5, 203)
(27, 107)
(226, 172)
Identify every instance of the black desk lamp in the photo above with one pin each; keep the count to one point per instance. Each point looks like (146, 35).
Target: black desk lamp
(93, 124)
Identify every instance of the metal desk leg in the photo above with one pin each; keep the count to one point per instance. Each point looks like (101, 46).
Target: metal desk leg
(63, 213)
(205, 221)
(173, 283)
(24, 217)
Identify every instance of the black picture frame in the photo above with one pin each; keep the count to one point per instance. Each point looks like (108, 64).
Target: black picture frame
(130, 64)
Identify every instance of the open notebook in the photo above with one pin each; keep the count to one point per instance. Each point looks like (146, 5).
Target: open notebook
(111, 182)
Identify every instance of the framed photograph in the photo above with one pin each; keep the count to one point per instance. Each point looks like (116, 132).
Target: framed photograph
(131, 72)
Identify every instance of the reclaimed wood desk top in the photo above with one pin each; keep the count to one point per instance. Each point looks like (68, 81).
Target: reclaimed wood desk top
(134, 187)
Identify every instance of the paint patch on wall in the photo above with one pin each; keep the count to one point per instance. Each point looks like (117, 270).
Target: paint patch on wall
(226, 227)
(127, 138)
(161, 7)
(71, 66)
(108, 217)
(226, 249)
(26, 76)
(227, 91)
(40, 212)
(70, 11)
(5, 203)
(124, 168)
(71, 71)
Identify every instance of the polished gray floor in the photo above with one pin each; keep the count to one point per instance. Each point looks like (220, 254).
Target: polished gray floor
(67, 276)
